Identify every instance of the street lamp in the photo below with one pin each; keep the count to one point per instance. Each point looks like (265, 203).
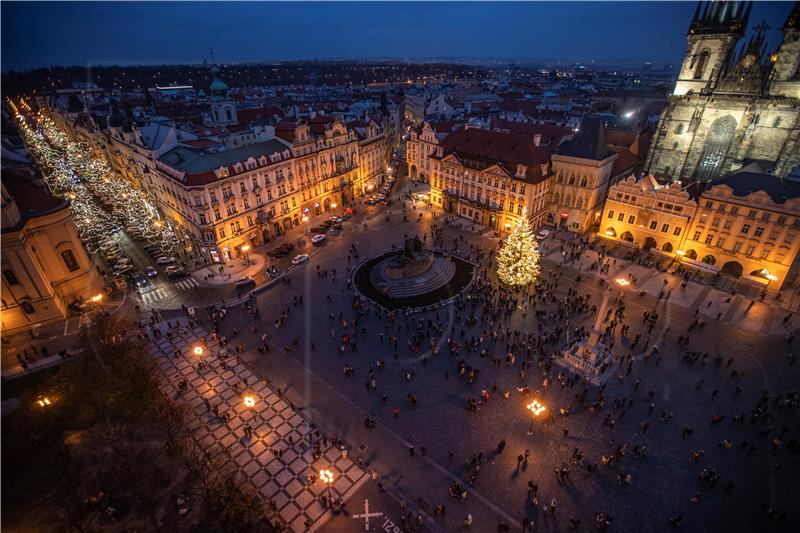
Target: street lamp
(245, 249)
(44, 401)
(326, 476)
(537, 409)
(198, 350)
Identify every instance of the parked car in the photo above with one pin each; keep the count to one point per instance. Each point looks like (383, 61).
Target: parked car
(151, 272)
(244, 282)
(302, 258)
(316, 239)
(176, 274)
(164, 260)
(543, 234)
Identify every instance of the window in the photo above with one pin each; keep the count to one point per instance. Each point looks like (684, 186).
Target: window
(734, 210)
(621, 217)
(720, 242)
(728, 224)
(27, 307)
(653, 224)
(701, 65)
(758, 232)
(679, 129)
(737, 246)
(745, 229)
(751, 250)
(583, 182)
(773, 235)
(249, 221)
(696, 236)
(511, 207)
(715, 222)
(788, 239)
(709, 238)
(11, 278)
(520, 207)
(70, 261)
(610, 213)
(631, 219)
(221, 232)
(664, 228)
(677, 231)
(781, 219)
(777, 123)
(711, 204)
(765, 217)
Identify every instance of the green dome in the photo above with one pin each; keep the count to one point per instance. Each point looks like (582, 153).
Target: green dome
(217, 87)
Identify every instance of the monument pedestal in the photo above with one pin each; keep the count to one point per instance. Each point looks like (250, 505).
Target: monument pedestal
(590, 358)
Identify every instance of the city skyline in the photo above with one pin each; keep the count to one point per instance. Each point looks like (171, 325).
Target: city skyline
(186, 33)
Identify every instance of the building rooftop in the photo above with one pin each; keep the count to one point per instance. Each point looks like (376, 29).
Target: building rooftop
(589, 142)
(746, 183)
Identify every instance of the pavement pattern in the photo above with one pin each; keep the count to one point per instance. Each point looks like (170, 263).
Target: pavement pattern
(279, 455)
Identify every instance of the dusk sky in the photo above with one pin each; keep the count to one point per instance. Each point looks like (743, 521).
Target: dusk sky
(78, 33)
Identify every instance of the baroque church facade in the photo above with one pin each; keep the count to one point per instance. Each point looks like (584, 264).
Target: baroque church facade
(735, 103)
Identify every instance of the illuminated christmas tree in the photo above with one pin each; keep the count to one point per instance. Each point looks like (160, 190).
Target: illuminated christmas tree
(518, 259)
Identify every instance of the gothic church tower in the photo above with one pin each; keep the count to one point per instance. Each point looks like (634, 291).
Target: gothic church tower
(734, 102)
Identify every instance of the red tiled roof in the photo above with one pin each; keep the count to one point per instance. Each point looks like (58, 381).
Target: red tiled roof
(31, 200)
(507, 149)
(625, 162)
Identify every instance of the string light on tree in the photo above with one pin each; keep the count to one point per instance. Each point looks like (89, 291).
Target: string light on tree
(518, 259)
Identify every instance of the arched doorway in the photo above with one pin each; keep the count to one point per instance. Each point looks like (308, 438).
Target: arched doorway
(690, 254)
(649, 242)
(265, 236)
(715, 147)
(287, 224)
(611, 232)
(327, 204)
(412, 171)
(733, 269)
(667, 247)
(710, 260)
(627, 236)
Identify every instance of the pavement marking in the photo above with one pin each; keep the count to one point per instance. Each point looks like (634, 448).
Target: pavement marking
(186, 284)
(153, 296)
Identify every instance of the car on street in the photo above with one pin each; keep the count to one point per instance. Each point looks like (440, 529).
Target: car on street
(302, 258)
(151, 272)
(122, 269)
(176, 274)
(164, 260)
(543, 234)
(244, 282)
(140, 281)
(316, 239)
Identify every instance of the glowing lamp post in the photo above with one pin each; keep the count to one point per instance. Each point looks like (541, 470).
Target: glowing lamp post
(198, 350)
(326, 476)
(44, 401)
(245, 249)
(536, 408)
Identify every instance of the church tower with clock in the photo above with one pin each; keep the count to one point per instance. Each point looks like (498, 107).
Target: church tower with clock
(735, 103)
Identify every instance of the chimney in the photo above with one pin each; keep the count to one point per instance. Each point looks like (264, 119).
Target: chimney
(537, 139)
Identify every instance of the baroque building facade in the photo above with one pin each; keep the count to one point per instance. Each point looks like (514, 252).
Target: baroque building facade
(45, 267)
(491, 179)
(733, 102)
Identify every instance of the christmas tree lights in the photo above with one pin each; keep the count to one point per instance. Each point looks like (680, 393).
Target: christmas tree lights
(518, 259)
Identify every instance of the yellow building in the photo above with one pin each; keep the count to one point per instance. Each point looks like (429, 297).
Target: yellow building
(45, 267)
(744, 226)
(648, 214)
(491, 178)
(223, 200)
(747, 225)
